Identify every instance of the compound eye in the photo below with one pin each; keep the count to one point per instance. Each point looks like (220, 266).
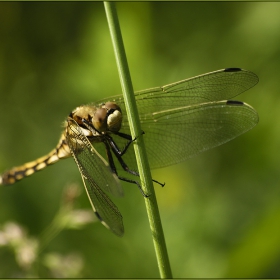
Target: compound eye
(99, 120)
(111, 106)
(114, 116)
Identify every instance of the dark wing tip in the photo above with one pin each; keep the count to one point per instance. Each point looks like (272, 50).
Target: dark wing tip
(232, 69)
(250, 76)
(235, 102)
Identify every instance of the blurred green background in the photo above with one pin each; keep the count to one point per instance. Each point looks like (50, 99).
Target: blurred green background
(220, 210)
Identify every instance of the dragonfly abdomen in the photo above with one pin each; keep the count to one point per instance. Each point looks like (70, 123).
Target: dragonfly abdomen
(17, 173)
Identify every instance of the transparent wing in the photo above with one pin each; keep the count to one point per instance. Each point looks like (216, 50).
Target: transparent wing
(173, 136)
(214, 86)
(96, 176)
(188, 117)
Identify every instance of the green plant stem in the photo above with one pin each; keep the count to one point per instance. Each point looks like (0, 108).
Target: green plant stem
(140, 152)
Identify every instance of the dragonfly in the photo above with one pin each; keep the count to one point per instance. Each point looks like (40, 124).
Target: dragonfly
(179, 120)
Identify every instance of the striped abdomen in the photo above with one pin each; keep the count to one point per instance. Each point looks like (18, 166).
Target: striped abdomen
(17, 173)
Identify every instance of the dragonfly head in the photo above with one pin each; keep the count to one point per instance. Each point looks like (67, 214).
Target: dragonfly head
(107, 118)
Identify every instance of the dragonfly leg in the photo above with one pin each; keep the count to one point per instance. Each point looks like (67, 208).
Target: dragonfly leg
(110, 158)
(121, 161)
(134, 182)
(116, 148)
(110, 143)
(125, 136)
(114, 170)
